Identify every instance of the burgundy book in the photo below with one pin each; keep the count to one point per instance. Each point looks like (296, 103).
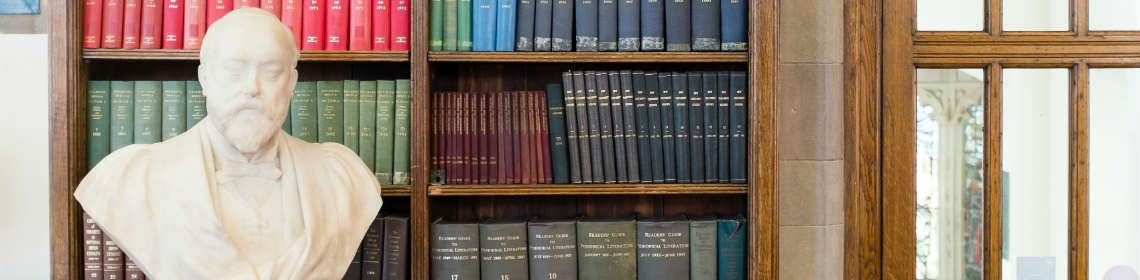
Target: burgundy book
(543, 138)
(112, 260)
(216, 9)
(172, 24)
(133, 272)
(472, 136)
(291, 17)
(452, 117)
(272, 6)
(336, 25)
(516, 133)
(536, 136)
(463, 138)
(445, 143)
(500, 151)
(313, 25)
(132, 19)
(360, 25)
(492, 136)
(92, 24)
(92, 249)
(246, 3)
(534, 145)
(112, 24)
(401, 13)
(381, 25)
(505, 159)
(480, 137)
(195, 24)
(150, 32)
(526, 139)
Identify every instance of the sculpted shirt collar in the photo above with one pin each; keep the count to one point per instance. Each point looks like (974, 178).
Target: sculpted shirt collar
(230, 164)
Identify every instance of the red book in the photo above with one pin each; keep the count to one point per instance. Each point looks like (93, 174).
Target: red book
(216, 9)
(291, 17)
(246, 3)
(132, 17)
(477, 123)
(272, 6)
(313, 25)
(500, 132)
(535, 143)
(195, 25)
(401, 12)
(112, 24)
(172, 24)
(525, 139)
(336, 25)
(488, 140)
(516, 132)
(92, 23)
(150, 34)
(468, 139)
(381, 25)
(360, 25)
(449, 134)
(543, 137)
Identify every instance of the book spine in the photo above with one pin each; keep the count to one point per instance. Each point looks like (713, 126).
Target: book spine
(92, 24)
(733, 17)
(702, 250)
(629, 25)
(708, 81)
(479, 122)
(641, 103)
(607, 25)
(195, 24)
(504, 147)
(435, 31)
(195, 103)
(524, 26)
(505, 25)
(246, 3)
(381, 25)
(681, 126)
(287, 125)
(656, 146)
(652, 25)
(148, 102)
(706, 25)
(215, 9)
(556, 112)
(291, 11)
(372, 250)
(401, 32)
(543, 14)
(92, 249)
(678, 26)
(464, 17)
(535, 136)
(731, 237)
(605, 126)
(330, 109)
(272, 6)
(696, 128)
(352, 115)
(722, 108)
(594, 127)
(132, 17)
(113, 261)
(313, 25)
(98, 122)
(586, 25)
(668, 143)
(150, 28)
(355, 267)
(553, 248)
(738, 121)
(454, 251)
(459, 138)
(336, 25)
(607, 250)
(618, 127)
(518, 131)
(483, 25)
(401, 167)
(575, 176)
(385, 121)
(503, 250)
(173, 108)
(498, 145)
(525, 138)
(360, 25)
(663, 250)
(584, 149)
(132, 270)
(450, 20)
(544, 135)
(445, 125)
(112, 24)
(368, 123)
(172, 16)
(303, 111)
(561, 27)
(629, 127)
(395, 248)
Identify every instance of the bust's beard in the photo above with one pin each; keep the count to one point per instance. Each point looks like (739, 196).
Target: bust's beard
(249, 130)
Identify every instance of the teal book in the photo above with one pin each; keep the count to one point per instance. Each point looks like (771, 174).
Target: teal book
(303, 111)
(368, 123)
(401, 167)
(330, 111)
(98, 122)
(702, 249)
(385, 120)
(732, 235)
(287, 125)
(464, 16)
(435, 39)
(195, 103)
(352, 115)
(148, 123)
(450, 25)
(173, 108)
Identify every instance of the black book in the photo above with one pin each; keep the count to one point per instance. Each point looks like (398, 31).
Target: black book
(681, 125)
(738, 119)
(571, 127)
(630, 124)
(594, 126)
(709, 85)
(372, 250)
(677, 25)
(454, 251)
(607, 25)
(586, 25)
(629, 25)
(656, 148)
(395, 248)
(668, 145)
(706, 25)
(502, 250)
(696, 129)
(607, 249)
(618, 128)
(606, 126)
(524, 26)
(562, 26)
(354, 269)
(583, 128)
(723, 81)
(663, 249)
(553, 248)
(652, 25)
(556, 123)
(543, 14)
(641, 102)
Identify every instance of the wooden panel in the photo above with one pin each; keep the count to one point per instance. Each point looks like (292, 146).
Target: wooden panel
(396, 191)
(421, 86)
(1079, 173)
(898, 165)
(1026, 62)
(993, 17)
(478, 208)
(763, 217)
(861, 134)
(160, 54)
(992, 227)
(590, 57)
(68, 131)
(586, 189)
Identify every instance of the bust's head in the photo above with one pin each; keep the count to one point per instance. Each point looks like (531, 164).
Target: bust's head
(248, 71)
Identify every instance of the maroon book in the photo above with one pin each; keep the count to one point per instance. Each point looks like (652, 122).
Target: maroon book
(454, 151)
(528, 144)
(534, 136)
(133, 271)
(492, 139)
(516, 132)
(481, 124)
(465, 137)
(500, 172)
(112, 260)
(448, 143)
(92, 249)
(543, 137)
(505, 159)
(434, 151)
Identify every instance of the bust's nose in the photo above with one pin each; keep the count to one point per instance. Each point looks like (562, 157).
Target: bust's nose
(251, 87)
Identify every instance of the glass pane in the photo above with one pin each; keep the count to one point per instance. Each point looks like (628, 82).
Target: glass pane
(958, 15)
(949, 170)
(1114, 180)
(1035, 174)
(1114, 14)
(1035, 15)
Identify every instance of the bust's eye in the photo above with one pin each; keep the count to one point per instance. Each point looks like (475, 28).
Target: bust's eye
(271, 70)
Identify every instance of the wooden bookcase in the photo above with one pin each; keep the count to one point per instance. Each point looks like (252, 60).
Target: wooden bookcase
(72, 66)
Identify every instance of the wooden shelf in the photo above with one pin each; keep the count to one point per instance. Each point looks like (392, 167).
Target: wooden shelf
(395, 190)
(585, 189)
(591, 57)
(159, 54)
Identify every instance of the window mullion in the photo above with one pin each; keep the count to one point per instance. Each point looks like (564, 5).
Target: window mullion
(1078, 172)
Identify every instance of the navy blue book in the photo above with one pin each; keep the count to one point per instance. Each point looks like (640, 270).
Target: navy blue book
(583, 129)
(652, 25)
(708, 83)
(605, 120)
(607, 25)
(733, 17)
(556, 114)
(571, 127)
(641, 110)
(562, 26)
(677, 25)
(738, 119)
(543, 14)
(618, 128)
(731, 234)
(630, 126)
(706, 25)
(696, 128)
(681, 125)
(656, 147)
(668, 146)
(586, 25)
(524, 26)
(629, 25)
(594, 126)
(483, 25)
(723, 81)
(505, 26)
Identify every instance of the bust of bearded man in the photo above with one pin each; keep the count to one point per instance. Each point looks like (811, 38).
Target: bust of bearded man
(235, 197)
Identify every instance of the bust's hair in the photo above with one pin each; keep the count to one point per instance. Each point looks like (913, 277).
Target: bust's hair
(281, 33)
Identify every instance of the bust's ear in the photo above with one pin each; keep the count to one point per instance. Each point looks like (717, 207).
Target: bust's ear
(203, 78)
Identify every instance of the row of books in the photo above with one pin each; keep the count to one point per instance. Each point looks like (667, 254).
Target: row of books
(492, 138)
(588, 249)
(588, 25)
(335, 25)
(383, 254)
(102, 258)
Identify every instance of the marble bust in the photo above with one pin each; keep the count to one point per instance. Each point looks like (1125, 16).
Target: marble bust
(235, 197)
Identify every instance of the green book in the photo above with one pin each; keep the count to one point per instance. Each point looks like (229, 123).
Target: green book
(195, 103)
(123, 118)
(148, 123)
(450, 25)
(98, 123)
(287, 125)
(302, 109)
(464, 18)
(173, 108)
(607, 249)
(330, 108)
(352, 115)
(401, 169)
(368, 123)
(385, 107)
(436, 33)
(702, 249)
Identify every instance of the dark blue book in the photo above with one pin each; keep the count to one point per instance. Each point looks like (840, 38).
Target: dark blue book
(524, 26)
(629, 25)
(607, 25)
(708, 84)
(706, 25)
(594, 126)
(483, 25)
(681, 125)
(605, 120)
(562, 26)
(543, 14)
(630, 127)
(641, 110)
(733, 33)
(677, 25)
(652, 25)
(583, 129)
(668, 145)
(723, 83)
(656, 147)
(571, 127)
(586, 25)
(738, 119)
(696, 128)
(618, 128)
(505, 26)
(556, 117)
(732, 235)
